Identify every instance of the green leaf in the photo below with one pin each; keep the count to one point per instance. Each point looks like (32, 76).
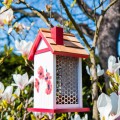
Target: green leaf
(116, 76)
(5, 48)
(19, 68)
(99, 85)
(32, 117)
(1, 60)
(19, 107)
(11, 118)
(73, 3)
(12, 112)
(109, 91)
(8, 50)
(14, 95)
(4, 104)
(8, 3)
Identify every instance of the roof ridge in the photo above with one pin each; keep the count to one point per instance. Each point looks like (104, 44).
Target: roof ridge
(48, 30)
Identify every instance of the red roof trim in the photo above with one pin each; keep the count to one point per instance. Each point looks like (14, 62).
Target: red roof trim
(34, 47)
(58, 110)
(42, 51)
(71, 54)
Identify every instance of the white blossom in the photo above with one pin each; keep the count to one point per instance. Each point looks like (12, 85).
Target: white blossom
(76, 117)
(23, 47)
(1, 89)
(109, 106)
(7, 94)
(99, 70)
(113, 66)
(22, 80)
(6, 16)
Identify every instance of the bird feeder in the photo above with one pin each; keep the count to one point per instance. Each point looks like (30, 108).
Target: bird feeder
(57, 72)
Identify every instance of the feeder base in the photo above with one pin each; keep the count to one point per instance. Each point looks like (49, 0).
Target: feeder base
(58, 110)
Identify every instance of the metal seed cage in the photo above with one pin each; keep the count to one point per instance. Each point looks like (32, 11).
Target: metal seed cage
(66, 80)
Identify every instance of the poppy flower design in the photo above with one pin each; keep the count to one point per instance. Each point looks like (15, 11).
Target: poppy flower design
(49, 87)
(37, 84)
(47, 77)
(41, 72)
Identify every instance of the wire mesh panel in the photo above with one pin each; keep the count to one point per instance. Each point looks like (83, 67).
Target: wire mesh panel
(66, 80)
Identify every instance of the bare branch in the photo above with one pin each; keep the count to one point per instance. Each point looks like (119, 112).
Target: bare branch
(84, 27)
(99, 23)
(87, 10)
(35, 11)
(86, 30)
(112, 3)
(74, 24)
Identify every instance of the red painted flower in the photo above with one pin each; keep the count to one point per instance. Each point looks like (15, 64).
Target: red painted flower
(47, 77)
(41, 72)
(37, 84)
(49, 87)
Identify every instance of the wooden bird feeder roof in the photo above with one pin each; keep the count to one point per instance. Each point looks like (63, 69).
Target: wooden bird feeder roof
(66, 44)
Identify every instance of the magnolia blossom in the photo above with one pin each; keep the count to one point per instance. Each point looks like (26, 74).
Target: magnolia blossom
(85, 117)
(1, 89)
(8, 96)
(112, 65)
(76, 117)
(7, 93)
(109, 106)
(22, 80)
(23, 47)
(19, 27)
(99, 70)
(6, 16)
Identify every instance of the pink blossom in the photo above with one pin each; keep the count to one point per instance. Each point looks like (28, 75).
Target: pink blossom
(47, 77)
(49, 87)
(41, 72)
(37, 84)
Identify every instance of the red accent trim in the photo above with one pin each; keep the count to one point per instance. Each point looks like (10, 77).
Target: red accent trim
(71, 54)
(57, 35)
(42, 51)
(58, 110)
(34, 47)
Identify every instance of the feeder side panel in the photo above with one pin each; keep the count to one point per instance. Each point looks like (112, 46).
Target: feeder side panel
(43, 82)
(80, 83)
(67, 78)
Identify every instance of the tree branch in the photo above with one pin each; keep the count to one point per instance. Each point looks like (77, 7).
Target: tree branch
(87, 10)
(86, 30)
(83, 27)
(37, 12)
(99, 23)
(112, 3)
(74, 24)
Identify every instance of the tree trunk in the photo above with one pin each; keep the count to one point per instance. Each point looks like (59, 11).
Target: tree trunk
(94, 84)
(108, 36)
